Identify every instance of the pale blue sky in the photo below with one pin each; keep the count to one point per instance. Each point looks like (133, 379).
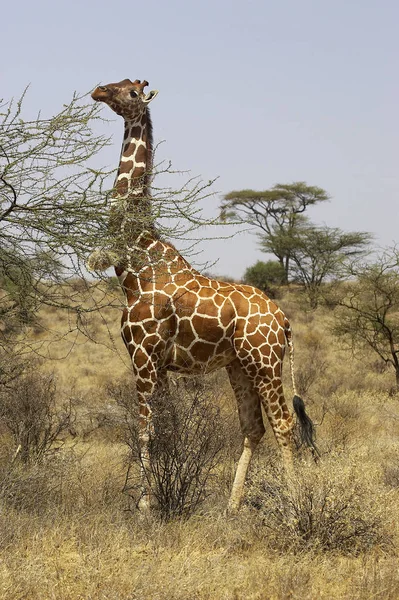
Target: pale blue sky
(254, 92)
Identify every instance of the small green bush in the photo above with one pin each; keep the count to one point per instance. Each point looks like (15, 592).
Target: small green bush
(266, 276)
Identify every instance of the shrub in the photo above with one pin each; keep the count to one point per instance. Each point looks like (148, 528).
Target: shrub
(391, 475)
(185, 446)
(66, 483)
(265, 276)
(28, 411)
(313, 362)
(328, 508)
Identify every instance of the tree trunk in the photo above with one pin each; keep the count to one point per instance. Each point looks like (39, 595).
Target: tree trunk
(286, 264)
(397, 378)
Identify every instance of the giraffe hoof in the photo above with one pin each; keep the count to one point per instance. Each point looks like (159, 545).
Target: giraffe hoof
(232, 509)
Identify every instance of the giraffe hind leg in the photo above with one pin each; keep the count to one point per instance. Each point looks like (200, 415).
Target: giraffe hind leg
(252, 427)
(279, 416)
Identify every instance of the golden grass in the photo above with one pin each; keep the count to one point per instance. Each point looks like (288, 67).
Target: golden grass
(209, 557)
(65, 533)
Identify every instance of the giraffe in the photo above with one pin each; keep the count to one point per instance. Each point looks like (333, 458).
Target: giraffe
(177, 320)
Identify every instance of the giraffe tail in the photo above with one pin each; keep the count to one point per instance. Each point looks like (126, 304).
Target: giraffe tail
(306, 427)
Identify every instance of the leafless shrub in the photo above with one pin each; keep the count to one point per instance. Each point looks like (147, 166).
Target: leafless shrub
(342, 422)
(313, 362)
(11, 365)
(329, 508)
(28, 411)
(185, 446)
(66, 483)
(33, 488)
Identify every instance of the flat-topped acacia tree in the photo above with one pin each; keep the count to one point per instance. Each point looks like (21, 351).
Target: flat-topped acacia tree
(276, 214)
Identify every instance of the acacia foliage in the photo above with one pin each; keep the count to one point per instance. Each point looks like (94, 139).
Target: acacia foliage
(322, 253)
(52, 206)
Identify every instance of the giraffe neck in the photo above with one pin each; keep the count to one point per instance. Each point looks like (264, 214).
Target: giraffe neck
(131, 205)
(130, 210)
(133, 177)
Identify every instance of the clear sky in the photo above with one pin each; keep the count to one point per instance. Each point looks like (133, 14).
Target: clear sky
(254, 93)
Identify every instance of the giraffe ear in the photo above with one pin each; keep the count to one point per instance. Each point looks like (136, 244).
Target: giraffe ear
(150, 96)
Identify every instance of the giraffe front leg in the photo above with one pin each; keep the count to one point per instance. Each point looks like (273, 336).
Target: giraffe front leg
(145, 430)
(146, 384)
(147, 389)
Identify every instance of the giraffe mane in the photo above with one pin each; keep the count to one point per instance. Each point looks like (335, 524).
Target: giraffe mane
(150, 141)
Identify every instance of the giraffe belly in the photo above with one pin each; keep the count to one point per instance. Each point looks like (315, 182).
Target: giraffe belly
(181, 360)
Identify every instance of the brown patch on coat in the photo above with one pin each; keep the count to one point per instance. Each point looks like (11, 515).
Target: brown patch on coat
(207, 308)
(129, 149)
(185, 335)
(141, 154)
(136, 132)
(202, 351)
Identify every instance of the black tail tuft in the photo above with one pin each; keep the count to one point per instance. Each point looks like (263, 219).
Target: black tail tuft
(306, 426)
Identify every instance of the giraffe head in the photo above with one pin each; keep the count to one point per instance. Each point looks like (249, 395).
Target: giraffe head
(126, 98)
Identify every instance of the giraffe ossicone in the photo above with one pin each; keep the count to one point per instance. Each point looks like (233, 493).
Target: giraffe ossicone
(177, 320)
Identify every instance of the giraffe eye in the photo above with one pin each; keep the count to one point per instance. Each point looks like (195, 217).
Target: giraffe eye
(133, 94)
(102, 88)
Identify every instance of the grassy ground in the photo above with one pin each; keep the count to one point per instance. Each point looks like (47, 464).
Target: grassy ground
(68, 532)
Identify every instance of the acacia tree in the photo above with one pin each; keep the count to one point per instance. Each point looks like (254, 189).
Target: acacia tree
(52, 209)
(367, 314)
(276, 214)
(321, 253)
(50, 198)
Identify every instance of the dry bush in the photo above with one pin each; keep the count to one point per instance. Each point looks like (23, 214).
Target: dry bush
(341, 422)
(391, 476)
(331, 507)
(390, 466)
(37, 488)
(28, 411)
(63, 484)
(353, 419)
(312, 361)
(185, 445)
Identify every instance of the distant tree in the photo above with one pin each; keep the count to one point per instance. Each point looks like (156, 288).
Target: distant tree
(320, 253)
(367, 314)
(276, 214)
(265, 276)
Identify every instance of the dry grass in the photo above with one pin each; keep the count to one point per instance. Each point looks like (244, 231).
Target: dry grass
(65, 532)
(104, 556)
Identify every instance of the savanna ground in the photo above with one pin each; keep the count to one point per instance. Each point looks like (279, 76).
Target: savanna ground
(67, 530)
